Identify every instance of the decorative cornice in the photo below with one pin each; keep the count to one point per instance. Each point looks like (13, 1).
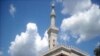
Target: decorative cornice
(66, 48)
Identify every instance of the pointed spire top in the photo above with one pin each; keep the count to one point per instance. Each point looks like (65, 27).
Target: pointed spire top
(53, 4)
(53, 7)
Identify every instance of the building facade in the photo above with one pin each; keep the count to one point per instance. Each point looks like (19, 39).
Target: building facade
(65, 51)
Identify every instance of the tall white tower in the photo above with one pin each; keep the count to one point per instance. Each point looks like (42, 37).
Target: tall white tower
(53, 30)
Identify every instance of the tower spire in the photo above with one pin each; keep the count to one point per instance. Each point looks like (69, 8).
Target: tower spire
(53, 14)
(53, 30)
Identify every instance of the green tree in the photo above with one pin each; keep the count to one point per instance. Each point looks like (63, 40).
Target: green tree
(97, 50)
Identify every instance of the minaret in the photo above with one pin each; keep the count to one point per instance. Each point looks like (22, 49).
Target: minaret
(53, 30)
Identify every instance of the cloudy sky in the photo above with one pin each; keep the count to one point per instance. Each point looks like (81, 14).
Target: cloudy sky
(24, 24)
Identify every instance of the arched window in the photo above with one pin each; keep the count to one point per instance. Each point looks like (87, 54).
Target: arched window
(53, 42)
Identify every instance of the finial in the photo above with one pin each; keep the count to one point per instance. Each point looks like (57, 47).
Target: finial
(53, 3)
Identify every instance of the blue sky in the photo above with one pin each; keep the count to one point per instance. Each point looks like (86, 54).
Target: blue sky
(16, 15)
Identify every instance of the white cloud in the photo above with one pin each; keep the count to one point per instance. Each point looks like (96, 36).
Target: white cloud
(64, 36)
(98, 44)
(74, 6)
(12, 10)
(40, 44)
(85, 25)
(28, 43)
(1, 53)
